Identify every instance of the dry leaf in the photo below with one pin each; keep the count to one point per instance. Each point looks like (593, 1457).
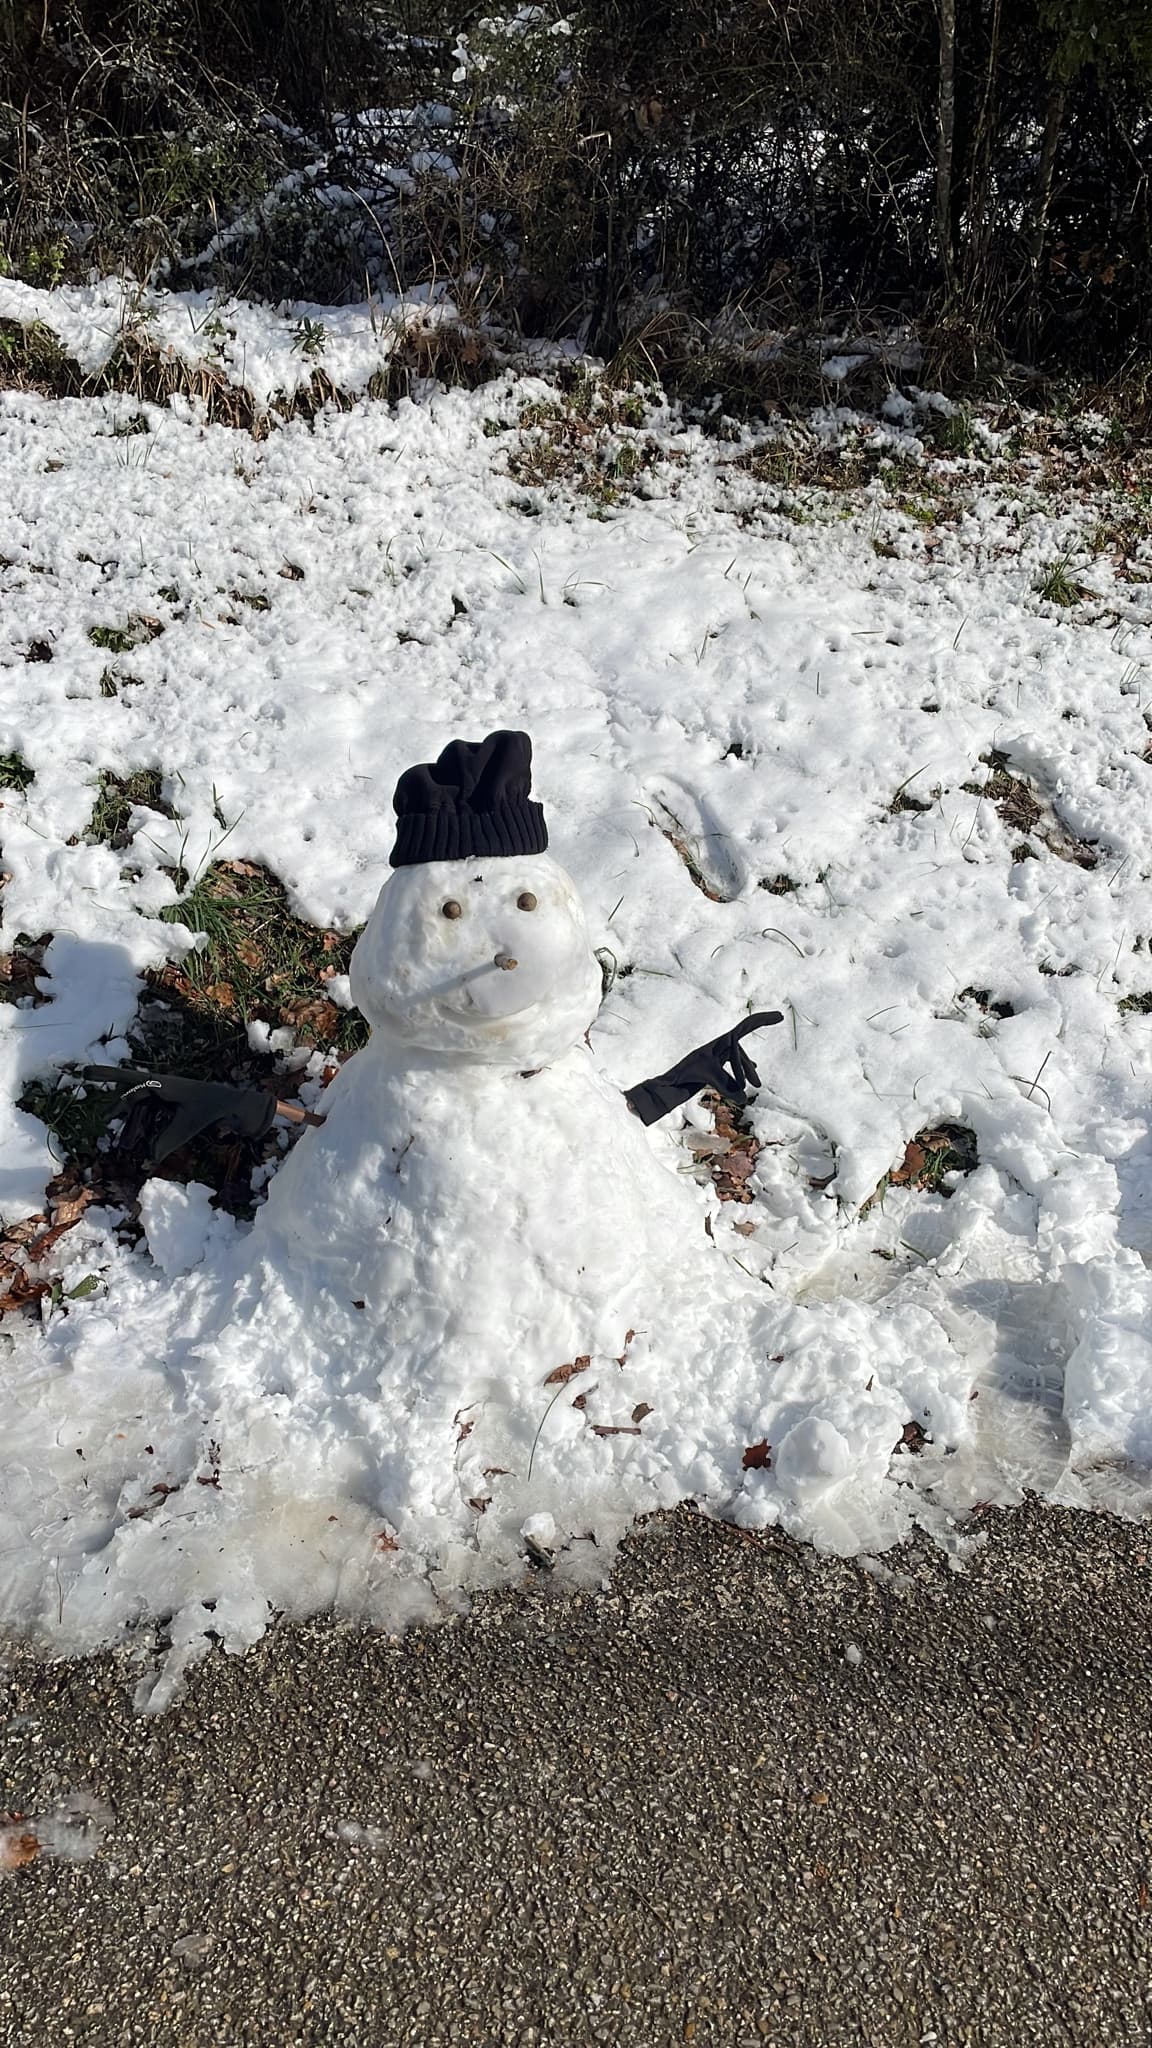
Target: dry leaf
(563, 1373)
(317, 1017)
(18, 1846)
(642, 1409)
(386, 1540)
(738, 1165)
(70, 1208)
(758, 1457)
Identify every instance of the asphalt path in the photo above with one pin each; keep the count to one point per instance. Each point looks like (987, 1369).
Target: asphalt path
(745, 1795)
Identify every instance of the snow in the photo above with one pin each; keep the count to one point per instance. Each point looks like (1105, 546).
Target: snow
(699, 665)
(180, 1223)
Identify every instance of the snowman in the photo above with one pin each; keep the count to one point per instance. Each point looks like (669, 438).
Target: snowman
(481, 1263)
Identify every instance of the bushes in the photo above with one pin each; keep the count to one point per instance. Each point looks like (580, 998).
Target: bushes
(594, 171)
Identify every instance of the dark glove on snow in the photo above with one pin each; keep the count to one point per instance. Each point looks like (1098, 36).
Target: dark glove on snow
(198, 1104)
(722, 1064)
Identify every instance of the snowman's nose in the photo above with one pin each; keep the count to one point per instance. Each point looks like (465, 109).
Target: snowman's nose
(506, 961)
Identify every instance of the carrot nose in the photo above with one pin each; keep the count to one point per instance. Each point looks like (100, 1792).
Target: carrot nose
(506, 961)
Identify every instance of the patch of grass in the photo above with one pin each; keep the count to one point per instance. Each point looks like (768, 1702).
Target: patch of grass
(259, 961)
(116, 798)
(138, 631)
(917, 509)
(1137, 1006)
(15, 773)
(951, 432)
(310, 338)
(1056, 586)
(780, 885)
(588, 439)
(77, 1119)
(802, 460)
(113, 680)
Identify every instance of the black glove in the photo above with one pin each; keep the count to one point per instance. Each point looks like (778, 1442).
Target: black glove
(722, 1064)
(247, 1111)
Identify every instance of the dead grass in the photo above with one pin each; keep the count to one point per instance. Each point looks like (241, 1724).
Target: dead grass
(32, 359)
(1011, 795)
(669, 825)
(1022, 811)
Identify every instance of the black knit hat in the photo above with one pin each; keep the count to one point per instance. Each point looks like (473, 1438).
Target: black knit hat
(472, 802)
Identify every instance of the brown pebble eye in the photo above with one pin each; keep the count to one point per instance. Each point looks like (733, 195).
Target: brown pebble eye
(452, 908)
(527, 901)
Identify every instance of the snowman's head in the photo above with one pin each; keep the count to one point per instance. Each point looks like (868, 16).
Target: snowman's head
(488, 958)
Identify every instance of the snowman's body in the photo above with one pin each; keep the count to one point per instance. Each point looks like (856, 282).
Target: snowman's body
(479, 1210)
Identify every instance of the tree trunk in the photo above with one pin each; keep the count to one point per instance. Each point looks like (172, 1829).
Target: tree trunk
(945, 134)
(980, 209)
(1045, 169)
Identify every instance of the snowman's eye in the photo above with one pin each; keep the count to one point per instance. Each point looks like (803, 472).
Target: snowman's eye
(452, 908)
(527, 901)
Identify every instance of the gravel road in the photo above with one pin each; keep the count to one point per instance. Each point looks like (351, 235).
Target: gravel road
(747, 1795)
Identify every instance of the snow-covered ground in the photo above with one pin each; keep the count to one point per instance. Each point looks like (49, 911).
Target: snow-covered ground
(727, 683)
